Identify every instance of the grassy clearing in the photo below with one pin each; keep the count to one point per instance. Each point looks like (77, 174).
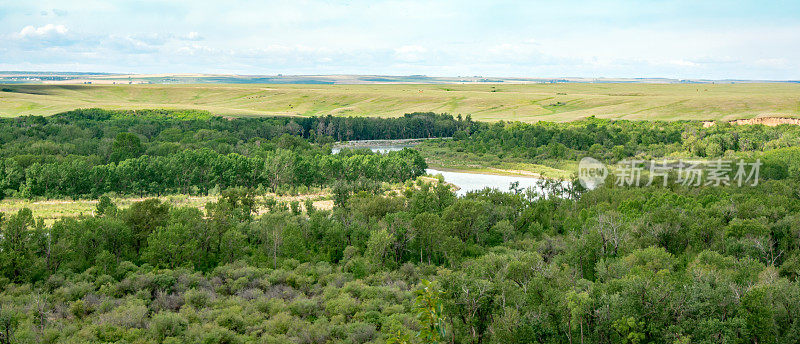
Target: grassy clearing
(51, 210)
(488, 102)
(514, 169)
(444, 159)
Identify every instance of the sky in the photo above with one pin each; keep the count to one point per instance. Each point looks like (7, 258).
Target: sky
(708, 39)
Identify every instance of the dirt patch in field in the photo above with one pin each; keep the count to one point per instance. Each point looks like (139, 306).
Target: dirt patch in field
(768, 121)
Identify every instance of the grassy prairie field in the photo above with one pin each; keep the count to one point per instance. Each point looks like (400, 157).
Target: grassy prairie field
(52, 209)
(488, 102)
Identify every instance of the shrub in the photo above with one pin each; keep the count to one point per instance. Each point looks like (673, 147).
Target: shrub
(360, 332)
(271, 306)
(279, 323)
(303, 307)
(231, 318)
(124, 268)
(344, 304)
(54, 281)
(76, 291)
(79, 309)
(318, 332)
(197, 298)
(107, 333)
(166, 301)
(211, 334)
(163, 282)
(168, 324)
(133, 314)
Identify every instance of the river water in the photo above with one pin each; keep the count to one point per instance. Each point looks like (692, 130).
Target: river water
(376, 148)
(467, 181)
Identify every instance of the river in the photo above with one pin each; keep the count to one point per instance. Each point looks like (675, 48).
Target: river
(381, 146)
(466, 181)
(375, 148)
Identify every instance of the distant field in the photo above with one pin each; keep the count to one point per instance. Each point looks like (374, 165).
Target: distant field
(489, 102)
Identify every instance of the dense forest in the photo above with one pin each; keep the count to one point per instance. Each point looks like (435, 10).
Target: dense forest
(406, 263)
(87, 153)
(612, 141)
(615, 265)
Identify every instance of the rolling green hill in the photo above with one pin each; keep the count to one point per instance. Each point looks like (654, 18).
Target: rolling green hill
(489, 102)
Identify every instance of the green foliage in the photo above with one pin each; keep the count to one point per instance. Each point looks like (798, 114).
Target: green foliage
(9, 321)
(430, 314)
(758, 316)
(596, 269)
(629, 330)
(126, 146)
(614, 140)
(88, 153)
(105, 207)
(611, 265)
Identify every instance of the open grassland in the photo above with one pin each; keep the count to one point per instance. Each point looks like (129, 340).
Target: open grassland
(488, 102)
(52, 209)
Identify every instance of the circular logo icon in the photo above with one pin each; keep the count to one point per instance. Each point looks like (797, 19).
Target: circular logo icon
(591, 173)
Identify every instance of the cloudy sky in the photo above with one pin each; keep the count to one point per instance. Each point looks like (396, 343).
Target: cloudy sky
(677, 39)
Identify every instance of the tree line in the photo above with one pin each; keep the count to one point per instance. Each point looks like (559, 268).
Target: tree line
(86, 153)
(613, 140)
(198, 171)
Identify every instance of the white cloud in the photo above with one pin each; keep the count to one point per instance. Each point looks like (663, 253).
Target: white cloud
(449, 37)
(46, 36)
(684, 63)
(47, 31)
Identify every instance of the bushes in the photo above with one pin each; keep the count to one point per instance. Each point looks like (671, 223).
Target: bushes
(360, 332)
(79, 309)
(303, 308)
(663, 264)
(280, 323)
(231, 319)
(197, 298)
(343, 304)
(212, 334)
(168, 324)
(131, 314)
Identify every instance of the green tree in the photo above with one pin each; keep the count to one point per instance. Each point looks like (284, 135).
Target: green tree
(176, 243)
(279, 168)
(379, 247)
(9, 320)
(126, 146)
(143, 218)
(16, 253)
(757, 312)
(430, 314)
(105, 207)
